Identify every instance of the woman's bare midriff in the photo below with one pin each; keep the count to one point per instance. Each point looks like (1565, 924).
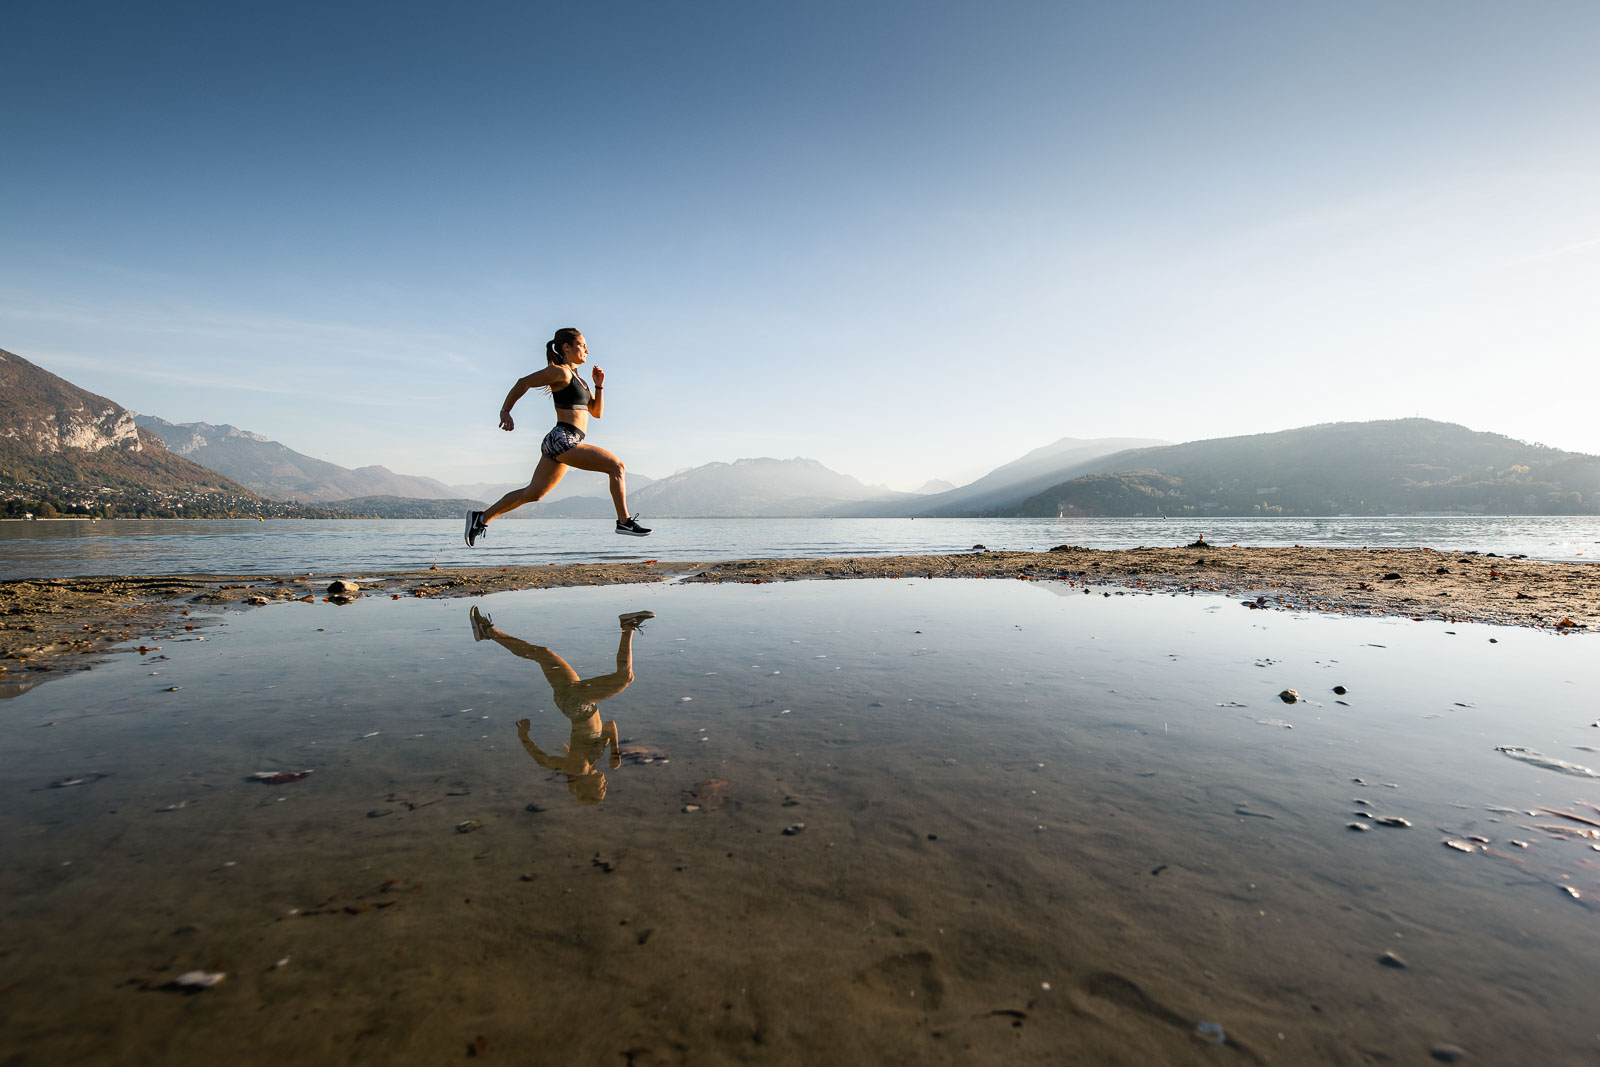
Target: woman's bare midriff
(573, 417)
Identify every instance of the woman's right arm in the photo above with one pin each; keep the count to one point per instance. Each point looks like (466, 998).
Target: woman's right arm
(551, 375)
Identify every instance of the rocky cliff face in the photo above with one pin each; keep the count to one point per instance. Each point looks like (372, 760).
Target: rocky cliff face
(189, 437)
(49, 415)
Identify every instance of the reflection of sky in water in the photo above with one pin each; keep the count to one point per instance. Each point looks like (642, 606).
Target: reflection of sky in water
(1020, 750)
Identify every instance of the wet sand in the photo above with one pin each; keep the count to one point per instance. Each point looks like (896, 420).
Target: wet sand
(70, 623)
(978, 881)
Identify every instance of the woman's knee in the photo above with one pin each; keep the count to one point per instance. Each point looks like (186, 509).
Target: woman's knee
(621, 469)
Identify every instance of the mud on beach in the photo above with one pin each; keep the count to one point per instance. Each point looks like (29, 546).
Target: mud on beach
(52, 625)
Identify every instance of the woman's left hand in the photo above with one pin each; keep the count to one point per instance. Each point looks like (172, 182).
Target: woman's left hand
(599, 377)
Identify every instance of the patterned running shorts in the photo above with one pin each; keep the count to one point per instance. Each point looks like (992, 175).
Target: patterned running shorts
(559, 440)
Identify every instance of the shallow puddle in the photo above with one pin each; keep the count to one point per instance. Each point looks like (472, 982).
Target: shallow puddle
(899, 822)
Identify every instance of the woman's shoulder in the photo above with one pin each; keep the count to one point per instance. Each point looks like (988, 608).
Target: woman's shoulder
(552, 374)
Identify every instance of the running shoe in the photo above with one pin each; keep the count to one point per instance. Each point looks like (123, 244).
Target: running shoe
(476, 527)
(482, 625)
(634, 620)
(629, 526)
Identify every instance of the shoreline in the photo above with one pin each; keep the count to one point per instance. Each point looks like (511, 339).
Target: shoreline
(48, 626)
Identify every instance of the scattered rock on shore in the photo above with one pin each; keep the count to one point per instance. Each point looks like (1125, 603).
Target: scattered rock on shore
(196, 981)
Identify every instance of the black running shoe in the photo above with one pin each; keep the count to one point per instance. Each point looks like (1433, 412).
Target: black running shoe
(629, 526)
(476, 527)
(482, 625)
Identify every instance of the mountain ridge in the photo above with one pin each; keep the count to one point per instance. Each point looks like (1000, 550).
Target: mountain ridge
(1379, 467)
(1008, 483)
(756, 486)
(277, 471)
(63, 445)
(65, 449)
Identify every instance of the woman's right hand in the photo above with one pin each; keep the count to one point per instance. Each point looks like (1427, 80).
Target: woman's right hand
(505, 421)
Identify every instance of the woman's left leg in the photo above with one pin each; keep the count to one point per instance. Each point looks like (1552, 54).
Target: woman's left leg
(545, 477)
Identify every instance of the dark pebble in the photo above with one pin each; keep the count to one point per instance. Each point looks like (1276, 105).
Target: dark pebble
(1448, 1053)
(1389, 959)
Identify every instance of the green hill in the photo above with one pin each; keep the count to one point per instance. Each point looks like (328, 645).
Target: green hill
(1400, 466)
(402, 507)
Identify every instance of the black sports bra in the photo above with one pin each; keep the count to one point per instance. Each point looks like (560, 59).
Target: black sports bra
(574, 396)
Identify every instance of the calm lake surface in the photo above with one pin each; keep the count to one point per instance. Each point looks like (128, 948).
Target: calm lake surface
(1025, 824)
(65, 548)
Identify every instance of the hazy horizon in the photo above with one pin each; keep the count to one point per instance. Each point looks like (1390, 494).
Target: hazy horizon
(909, 241)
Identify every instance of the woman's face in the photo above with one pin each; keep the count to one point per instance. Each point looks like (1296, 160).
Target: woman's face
(575, 352)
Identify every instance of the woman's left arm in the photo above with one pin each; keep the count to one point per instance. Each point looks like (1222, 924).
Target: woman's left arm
(597, 401)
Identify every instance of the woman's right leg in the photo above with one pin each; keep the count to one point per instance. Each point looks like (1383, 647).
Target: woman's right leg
(595, 458)
(545, 477)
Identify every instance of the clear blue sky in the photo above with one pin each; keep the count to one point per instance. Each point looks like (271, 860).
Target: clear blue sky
(910, 240)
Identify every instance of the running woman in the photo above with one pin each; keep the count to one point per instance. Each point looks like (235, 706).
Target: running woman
(563, 446)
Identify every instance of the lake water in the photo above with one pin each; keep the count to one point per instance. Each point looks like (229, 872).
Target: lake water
(64, 548)
(1025, 824)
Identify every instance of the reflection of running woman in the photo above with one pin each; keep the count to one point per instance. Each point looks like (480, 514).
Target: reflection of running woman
(579, 700)
(563, 446)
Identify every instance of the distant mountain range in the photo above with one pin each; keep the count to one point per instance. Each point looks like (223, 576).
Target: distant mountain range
(1341, 468)
(767, 487)
(1009, 483)
(587, 486)
(64, 449)
(70, 448)
(774, 488)
(278, 471)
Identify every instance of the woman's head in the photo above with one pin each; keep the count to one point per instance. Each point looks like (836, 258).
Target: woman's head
(567, 346)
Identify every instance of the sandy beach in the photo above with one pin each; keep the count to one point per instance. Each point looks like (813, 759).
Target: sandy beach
(69, 623)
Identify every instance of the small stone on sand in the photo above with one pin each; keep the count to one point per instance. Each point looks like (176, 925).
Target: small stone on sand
(195, 981)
